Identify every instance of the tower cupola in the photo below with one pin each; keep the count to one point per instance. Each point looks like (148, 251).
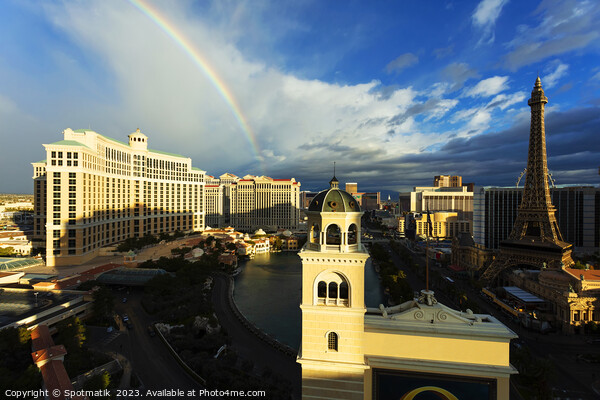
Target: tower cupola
(138, 141)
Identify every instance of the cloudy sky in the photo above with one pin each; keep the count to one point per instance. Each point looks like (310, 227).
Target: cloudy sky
(395, 92)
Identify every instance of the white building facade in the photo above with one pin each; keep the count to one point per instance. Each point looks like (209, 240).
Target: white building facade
(93, 191)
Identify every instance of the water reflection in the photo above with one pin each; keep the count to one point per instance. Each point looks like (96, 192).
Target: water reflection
(269, 289)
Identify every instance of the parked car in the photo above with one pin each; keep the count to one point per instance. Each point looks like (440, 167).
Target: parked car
(124, 299)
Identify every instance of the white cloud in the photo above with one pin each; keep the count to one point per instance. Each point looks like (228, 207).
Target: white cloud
(552, 78)
(160, 89)
(488, 87)
(503, 101)
(442, 108)
(464, 114)
(480, 120)
(403, 61)
(485, 16)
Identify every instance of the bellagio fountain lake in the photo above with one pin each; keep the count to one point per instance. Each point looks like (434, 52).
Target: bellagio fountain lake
(268, 292)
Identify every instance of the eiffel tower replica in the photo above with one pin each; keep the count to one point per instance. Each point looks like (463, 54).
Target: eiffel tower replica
(535, 239)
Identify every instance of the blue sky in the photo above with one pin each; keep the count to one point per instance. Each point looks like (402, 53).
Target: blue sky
(395, 92)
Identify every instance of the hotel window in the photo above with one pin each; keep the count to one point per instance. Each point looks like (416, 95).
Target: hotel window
(332, 341)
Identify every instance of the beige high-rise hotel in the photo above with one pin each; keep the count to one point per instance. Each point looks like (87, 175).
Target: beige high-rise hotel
(261, 201)
(92, 191)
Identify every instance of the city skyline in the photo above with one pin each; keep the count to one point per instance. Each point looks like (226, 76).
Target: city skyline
(394, 93)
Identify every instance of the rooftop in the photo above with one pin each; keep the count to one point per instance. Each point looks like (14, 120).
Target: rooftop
(522, 295)
(68, 143)
(8, 264)
(427, 316)
(129, 276)
(588, 275)
(18, 304)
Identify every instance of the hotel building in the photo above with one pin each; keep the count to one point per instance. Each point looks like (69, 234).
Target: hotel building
(214, 205)
(421, 199)
(447, 181)
(93, 191)
(577, 215)
(264, 202)
(443, 224)
(368, 200)
(252, 202)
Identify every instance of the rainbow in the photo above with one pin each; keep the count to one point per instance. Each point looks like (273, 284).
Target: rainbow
(218, 83)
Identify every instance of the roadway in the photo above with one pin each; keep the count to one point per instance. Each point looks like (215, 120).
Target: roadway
(572, 378)
(150, 359)
(248, 345)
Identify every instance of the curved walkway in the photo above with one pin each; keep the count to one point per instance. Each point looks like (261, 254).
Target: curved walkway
(247, 343)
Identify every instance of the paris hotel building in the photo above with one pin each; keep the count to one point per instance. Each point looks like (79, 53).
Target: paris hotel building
(93, 191)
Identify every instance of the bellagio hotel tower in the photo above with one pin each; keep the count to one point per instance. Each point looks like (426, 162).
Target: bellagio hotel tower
(92, 191)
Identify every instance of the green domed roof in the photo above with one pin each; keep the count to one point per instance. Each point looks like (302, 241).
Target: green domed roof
(334, 200)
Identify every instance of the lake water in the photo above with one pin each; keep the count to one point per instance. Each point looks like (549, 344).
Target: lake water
(269, 289)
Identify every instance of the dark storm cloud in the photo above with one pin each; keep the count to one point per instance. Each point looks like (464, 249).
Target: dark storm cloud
(492, 159)
(497, 158)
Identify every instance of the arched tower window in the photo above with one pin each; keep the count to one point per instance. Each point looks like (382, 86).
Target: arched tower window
(322, 290)
(332, 341)
(333, 292)
(344, 291)
(331, 289)
(334, 235)
(352, 234)
(315, 231)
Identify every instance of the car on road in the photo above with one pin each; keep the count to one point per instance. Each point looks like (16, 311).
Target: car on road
(151, 331)
(124, 299)
(125, 318)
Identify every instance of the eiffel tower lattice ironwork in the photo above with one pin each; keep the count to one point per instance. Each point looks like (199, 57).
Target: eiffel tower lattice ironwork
(535, 239)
